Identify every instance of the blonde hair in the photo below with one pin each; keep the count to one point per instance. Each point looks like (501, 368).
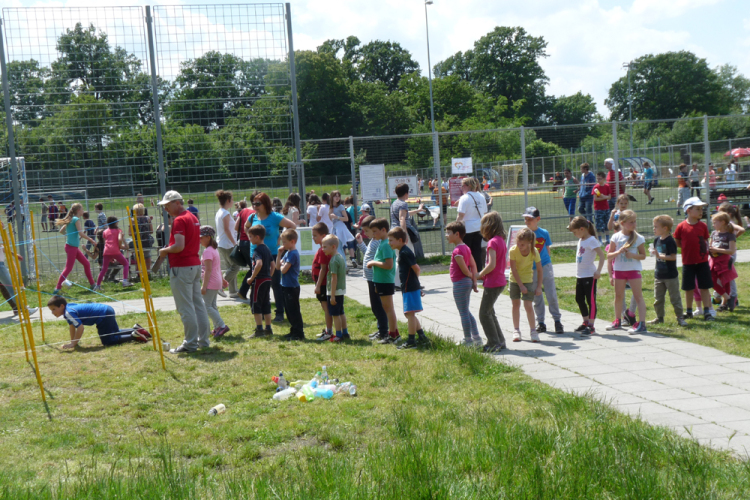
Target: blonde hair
(623, 197)
(525, 234)
(625, 216)
(492, 225)
(331, 240)
(579, 222)
(75, 210)
(723, 217)
(665, 221)
(139, 209)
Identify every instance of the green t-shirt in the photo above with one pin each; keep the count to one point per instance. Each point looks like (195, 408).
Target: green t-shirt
(73, 238)
(384, 252)
(337, 266)
(570, 188)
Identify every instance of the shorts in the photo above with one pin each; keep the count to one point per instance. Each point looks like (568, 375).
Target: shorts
(260, 298)
(412, 301)
(570, 206)
(106, 327)
(700, 272)
(322, 296)
(515, 292)
(351, 245)
(648, 185)
(338, 309)
(602, 218)
(626, 275)
(385, 289)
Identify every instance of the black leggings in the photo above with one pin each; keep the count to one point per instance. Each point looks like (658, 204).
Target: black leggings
(474, 242)
(586, 297)
(377, 309)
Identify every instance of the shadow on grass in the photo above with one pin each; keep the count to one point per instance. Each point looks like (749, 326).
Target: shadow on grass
(214, 355)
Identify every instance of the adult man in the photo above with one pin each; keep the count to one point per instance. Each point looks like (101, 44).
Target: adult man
(730, 174)
(609, 164)
(185, 273)
(585, 196)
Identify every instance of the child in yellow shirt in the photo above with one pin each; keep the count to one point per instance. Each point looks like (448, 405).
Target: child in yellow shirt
(523, 255)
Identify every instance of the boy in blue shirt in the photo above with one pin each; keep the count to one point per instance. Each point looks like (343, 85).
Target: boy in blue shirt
(288, 263)
(543, 241)
(101, 315)
(648, 181)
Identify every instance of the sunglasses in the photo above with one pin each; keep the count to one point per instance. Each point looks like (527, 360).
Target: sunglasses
(257, 204)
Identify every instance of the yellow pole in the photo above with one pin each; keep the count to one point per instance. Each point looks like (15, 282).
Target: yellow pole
(147, 286)
(140, 266)
(36, 268)
(23, 312)
(9, 260)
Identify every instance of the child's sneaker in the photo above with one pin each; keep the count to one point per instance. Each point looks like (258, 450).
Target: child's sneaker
(581, 328)
(374, 335)
(96, 288)
(465, 343)
(409, 344)
(517, 335)
(586, 331)
(126, 283)
(682, 322)
(326, 335)
(656, 321)
(541, 327)
(688, 315)
(616, 325)
(697, 312)
(630, 318)
(639, 327)
(221, 331)
(478, 342)
(559, 328)
(534, 336)
(708, 316)
(389, 340)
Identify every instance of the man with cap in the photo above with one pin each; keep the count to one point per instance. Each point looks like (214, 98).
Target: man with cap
(609, 164)
(185, 273)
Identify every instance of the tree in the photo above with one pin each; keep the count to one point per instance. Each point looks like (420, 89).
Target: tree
(735, 89)
(375, 111)
(385, 62)
(669, 85)
(570, 110)
(26, 84)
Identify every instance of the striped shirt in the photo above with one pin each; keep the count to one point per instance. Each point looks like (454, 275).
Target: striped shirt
(369, 253)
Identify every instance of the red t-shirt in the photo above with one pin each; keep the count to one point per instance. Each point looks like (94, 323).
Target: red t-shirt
(611, 181)
(694, 242)
(604, 190)
(244, 214)
(320, 259)
(187, 225)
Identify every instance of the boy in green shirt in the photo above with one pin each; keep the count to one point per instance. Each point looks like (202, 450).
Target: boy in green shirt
(336, 287)
(383, 267)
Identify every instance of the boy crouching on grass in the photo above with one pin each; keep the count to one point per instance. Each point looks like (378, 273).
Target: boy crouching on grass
(336, 287)
(101, 315)
(411, 291)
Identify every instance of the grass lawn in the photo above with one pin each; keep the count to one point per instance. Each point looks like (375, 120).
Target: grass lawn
(729, 333)
(439, 423)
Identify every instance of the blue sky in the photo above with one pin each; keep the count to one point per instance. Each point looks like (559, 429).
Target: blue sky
(588, 40)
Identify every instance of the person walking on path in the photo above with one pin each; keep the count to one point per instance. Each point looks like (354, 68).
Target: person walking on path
(185, 273)
(585, 194)
(225, 239)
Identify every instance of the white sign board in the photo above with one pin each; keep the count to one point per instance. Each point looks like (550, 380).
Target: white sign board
(372, 182)
(461, 166)
(411, 180)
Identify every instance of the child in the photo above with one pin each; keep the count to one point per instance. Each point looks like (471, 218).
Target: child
(410, 288)
(113, 243)
(101, 217)
(542, 242)
(722, 249)
(571, 191)
(683, 190)
(626, 268)
(101, 315)
(289, 265)
(336, 287)
(71, 227)
(384, 276)
(212, 280)
(736, 222)
(648, 181)
(260, 293)
(666, 276)
(602, 193)
(339, 216)
(320, 275)
(622, 204)
(493, 276)
(90, 227)
(193, 209)
(51, 213)
(692, 236)
(45, 211)
(369, 252)
(463, 273)
(522, 257)
(587, 274)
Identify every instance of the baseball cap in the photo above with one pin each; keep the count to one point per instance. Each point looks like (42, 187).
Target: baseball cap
(532, 212)
(366, 207)
(208, 231)
(170, 196)
(693, 202)
(609, 160)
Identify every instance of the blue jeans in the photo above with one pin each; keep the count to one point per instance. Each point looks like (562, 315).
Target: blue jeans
(586, 207)
(570, 206)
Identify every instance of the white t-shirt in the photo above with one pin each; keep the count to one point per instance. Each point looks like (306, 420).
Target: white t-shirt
(312, 215)
(290, 214)
(473, 206)
(730, 174)
(586, 257)
(622, 263)
(223, 238)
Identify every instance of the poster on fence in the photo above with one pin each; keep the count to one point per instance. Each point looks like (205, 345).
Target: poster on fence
(512, 234)
(372, 182)
(454, 188)
(411, 180)
(461, 166)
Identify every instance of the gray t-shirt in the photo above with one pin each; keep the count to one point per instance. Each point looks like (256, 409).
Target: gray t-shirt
(396, 208)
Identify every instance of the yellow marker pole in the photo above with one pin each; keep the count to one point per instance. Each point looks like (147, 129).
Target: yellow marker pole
(23, 312)
(140, 266)
(9, 262)
(36, 268)
(146, 282)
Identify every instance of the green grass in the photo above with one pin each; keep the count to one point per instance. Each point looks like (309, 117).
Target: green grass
(729, 333)
(439, 423)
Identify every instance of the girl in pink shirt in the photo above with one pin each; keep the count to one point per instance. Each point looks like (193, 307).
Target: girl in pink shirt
(463, 273)
(493, 274)
(113, 243)
(212, 279)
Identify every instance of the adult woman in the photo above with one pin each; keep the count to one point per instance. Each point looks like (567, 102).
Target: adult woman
(339, 216)
(146, 230)
(291, 209)
(72, 228)
(226, 240)
(272, 222)
(471, 208)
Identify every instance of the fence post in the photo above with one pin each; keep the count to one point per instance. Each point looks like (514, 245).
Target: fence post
(295, 111)
(354, 179)
(13, 160)
(157, 116)
(616, 157)
(436, 161)
(707, 163)
(525, 169)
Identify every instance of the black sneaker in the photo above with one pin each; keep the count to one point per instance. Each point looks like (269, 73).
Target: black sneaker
(374, 335)
(558, 327)
(630, 319)
(541, 328)
(258, 333)
(279, 318)
(581, 328)
(492, 348)
(389, 340)
(292, 336)
(688, 315)
(409, 344)
(708, 317)
(381, 336)
(586, 331)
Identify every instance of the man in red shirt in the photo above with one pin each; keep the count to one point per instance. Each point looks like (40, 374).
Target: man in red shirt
(185, 273)
(609, 164)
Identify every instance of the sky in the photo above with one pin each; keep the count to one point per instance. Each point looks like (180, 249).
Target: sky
(588, 40)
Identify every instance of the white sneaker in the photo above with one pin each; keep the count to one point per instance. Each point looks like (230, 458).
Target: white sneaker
(697, 312)
(517, 336)
(222, 293)
(126, 283)
(534, 336)
(32, 310)
(97, 288)
(713, 312)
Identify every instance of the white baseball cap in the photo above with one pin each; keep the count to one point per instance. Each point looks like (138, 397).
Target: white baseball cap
(693, 202)
(366, 207)
(170, 196)
(609, 160)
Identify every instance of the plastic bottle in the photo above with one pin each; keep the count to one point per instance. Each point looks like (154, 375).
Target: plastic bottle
(285, 394)
(328, 387)
(308, 392)
(323, 393)
(280, 381)
(217, 410)
(324, 375)
(346, 388)
(299, 383)
(318, 377)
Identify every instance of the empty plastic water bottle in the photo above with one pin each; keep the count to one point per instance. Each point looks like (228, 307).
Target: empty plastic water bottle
(217, 410)
(324, 375)
(299, 383)
(323, 393)
(328, 387)
(346, 388)
(285, 394)
(318, 377)
(280, 381)
(308, 393)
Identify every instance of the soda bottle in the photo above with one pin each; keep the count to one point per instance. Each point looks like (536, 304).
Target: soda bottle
(217, 410)
(324, 375)
(283, 384)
